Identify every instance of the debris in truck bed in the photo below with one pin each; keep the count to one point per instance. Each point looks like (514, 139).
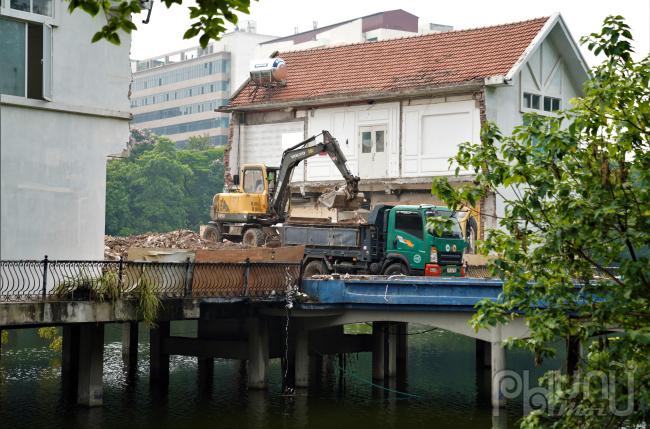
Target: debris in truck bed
(114, 246)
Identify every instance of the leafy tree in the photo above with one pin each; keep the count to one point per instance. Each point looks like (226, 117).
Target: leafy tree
(198, 142)
(211, 17)
(580, 182)
(157, 187)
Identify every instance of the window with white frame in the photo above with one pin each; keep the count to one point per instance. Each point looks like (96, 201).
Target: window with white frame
(39, 7)
(26, 66)
(538, 102)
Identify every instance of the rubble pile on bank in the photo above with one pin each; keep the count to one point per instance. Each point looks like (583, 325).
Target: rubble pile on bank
(114, 246)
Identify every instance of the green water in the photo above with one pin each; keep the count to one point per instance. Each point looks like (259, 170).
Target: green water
(446, 391)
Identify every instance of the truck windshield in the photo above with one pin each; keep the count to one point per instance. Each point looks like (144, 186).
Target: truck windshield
(454, 232)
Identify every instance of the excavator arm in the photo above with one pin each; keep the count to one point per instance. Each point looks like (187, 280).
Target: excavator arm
(294, 155)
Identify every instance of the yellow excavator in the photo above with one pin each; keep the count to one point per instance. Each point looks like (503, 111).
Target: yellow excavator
(262, 195)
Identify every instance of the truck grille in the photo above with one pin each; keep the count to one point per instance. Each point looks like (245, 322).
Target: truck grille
(450, 258)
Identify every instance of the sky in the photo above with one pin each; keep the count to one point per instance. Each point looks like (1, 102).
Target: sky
(165, 31)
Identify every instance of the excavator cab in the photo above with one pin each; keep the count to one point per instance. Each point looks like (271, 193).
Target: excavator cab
(250, 200)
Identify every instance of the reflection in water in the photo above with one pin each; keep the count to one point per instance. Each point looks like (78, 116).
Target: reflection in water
(448, 391)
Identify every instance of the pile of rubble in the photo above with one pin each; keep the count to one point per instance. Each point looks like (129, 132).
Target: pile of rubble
(114, 247)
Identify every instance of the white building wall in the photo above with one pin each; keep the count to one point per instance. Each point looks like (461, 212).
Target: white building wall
(264, 144)
(243, 49)
(432, 132)
(344, 123)
(53, 154)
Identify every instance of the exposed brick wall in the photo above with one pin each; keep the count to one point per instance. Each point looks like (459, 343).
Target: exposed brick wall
(234, 122)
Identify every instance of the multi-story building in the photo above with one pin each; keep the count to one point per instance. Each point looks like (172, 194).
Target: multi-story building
(369, 28)
(64, 108)
(176, 94)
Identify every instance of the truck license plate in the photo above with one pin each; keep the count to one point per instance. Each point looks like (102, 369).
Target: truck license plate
(451, 270)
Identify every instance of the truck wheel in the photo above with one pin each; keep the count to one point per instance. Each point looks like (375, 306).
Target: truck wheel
(212, 233)
(396, 269)
(314, 268)
(253, 237)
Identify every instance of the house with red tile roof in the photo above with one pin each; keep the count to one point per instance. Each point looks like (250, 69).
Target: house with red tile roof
(400, 107)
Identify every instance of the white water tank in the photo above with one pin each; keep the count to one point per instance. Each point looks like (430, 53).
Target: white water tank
(268, 71)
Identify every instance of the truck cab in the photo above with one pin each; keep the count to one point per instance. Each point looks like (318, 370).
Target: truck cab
(413, 247)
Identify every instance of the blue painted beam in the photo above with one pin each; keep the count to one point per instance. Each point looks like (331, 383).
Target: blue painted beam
(434, 293)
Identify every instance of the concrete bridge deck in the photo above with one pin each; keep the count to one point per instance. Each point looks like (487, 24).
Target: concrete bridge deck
(240, 318)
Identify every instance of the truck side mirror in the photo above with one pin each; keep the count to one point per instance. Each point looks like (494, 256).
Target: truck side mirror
(235, 179)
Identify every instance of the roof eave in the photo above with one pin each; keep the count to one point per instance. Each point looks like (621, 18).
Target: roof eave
(467, 86)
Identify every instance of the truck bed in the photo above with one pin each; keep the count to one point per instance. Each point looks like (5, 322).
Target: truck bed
(322, 234)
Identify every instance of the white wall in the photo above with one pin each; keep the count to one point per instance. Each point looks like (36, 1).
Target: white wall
(432, 132)
(243, 48)
(344, 124)
(53, 182)
(53, 154)
(545, 74)
(264, 144)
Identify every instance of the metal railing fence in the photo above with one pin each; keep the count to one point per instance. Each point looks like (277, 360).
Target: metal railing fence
(28, 280)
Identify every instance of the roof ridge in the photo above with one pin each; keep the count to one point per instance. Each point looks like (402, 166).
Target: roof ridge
(413, 36)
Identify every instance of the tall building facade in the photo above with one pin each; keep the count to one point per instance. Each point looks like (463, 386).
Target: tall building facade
(176, 94)
(64, 108)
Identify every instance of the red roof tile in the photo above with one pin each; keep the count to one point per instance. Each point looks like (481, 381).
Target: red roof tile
(430, 60)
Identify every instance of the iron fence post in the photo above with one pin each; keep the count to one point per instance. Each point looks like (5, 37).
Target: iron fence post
(120, 272)
(188, 278)
(45, 264)
(247, 269)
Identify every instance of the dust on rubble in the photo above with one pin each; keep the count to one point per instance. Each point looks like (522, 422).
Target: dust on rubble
(114, 246)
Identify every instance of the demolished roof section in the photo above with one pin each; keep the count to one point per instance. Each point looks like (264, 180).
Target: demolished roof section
(425, 61)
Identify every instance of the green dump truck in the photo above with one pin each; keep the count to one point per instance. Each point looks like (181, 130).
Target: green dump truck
(395, 240)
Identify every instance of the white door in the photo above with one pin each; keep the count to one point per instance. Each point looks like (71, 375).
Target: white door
(372, 156)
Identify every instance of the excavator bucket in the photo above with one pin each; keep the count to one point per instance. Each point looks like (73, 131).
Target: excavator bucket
(340, 199)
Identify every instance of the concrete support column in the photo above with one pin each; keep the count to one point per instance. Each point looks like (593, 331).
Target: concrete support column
(205, 364)
(159, 361)
(390, 351)
(302, 358)
(90, 391)
(498, 369)
(378, 339)
(402, 349)
(130, 346)
(258, 353)
(70, 360)
(573, 353)
(483, 354)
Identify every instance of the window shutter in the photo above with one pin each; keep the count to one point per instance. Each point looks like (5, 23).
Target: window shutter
(47, 62)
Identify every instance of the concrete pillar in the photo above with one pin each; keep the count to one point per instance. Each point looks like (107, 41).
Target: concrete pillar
(158, 360)
(573, 352)
(378, 337)
(130, 346)
(390, 351)
(70, 360)
(205, 365)
(483, 349)
(90, 391)
(302, 358)
(498, 369)
(402, 349)
(258, 353)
